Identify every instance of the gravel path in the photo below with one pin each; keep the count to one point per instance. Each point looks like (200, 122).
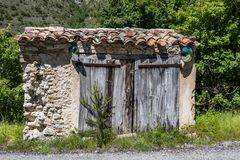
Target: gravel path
(224, 151)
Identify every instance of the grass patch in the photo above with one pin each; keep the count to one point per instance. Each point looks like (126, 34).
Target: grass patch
(71, 143)
(211, 127)
(151, 140)
(219, 126)
(10, 133)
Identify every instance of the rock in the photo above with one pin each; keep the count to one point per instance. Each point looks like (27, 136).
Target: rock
(27, 105)
(57, 106)
(48, 77)
(32, 74)
(32, 79)
(58, 121)
(50, 91)
(44, 100)
(29, 69)
(27, 97)
(47, 121)
(39, 108)
(53, 110)
(47, 66)
(60, 134)
(59, 111)
(45, 110)
(46, 87)
(35, 133)
(58, 126)
(56, 116)
(26, 129)
(33, 124)
(25, 77)
(50, 84)
(26, 136)
(50, 114)
(39, 115)
(48, 131)
(39, 91)
(41, 72)
(26, 114)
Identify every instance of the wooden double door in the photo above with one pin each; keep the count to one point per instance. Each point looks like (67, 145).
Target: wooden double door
(144, 92)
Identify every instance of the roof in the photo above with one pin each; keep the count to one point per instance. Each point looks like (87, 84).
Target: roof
(125, 36)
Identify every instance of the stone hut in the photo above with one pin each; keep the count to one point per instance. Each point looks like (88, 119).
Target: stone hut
(149, 73)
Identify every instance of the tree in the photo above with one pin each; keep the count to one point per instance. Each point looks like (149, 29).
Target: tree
(216, 25)
(140, 13)
(11, 94)
(99, 108)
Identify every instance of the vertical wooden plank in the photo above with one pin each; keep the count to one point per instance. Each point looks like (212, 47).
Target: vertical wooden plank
(122, 98)
(156, 98)
(94, 74)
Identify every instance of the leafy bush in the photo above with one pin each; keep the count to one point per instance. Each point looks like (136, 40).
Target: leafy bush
(99, 109)
(11, 94)
(216, 26)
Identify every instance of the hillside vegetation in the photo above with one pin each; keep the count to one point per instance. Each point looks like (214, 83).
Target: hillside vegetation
(22, 13)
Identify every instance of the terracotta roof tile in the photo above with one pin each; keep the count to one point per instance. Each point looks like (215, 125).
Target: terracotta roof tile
(126, 36)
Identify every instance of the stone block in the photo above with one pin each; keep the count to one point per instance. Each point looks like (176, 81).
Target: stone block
(49, 131)
(45, 110)
(56, 116)
(27, 105)
(35, 133)
(47, 122)
(33, 124)
(29, 69)
(39, 108)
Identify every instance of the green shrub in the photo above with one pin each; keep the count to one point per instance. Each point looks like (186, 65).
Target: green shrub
(99, 109)
(218, 56)
(11, 94)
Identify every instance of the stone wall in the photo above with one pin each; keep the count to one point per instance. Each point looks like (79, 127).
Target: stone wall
(51, 96)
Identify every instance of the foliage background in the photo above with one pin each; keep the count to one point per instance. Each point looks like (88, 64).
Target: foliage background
(11, 94)
(215, 23)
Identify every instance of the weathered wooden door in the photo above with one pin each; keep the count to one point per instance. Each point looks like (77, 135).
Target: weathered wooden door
(115, 80)
(144, 93)
(156, 93)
